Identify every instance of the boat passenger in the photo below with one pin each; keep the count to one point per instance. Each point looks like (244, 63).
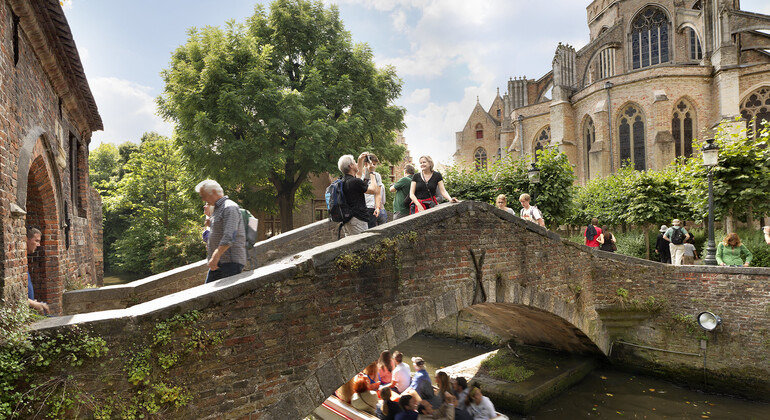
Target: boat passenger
(480, 407)
(371, 373)
(421, 384)
(409, 407)
(445, 412)
(385, 366)
(345, 392)
(389, 408)
(444, 385)
(402, 375)
(363, 399)
(461, 389)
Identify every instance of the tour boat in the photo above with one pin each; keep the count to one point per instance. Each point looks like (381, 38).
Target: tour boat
(335, 409)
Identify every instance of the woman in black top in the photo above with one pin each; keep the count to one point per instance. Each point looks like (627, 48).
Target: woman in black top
(609, 241)
(425, 185)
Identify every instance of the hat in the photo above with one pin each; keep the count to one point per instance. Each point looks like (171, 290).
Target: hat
(675, 222)
(418, 361)
(663, 228)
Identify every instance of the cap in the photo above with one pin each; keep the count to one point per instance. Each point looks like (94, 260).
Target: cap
(418, 361)
(675, 222)
(663, 228)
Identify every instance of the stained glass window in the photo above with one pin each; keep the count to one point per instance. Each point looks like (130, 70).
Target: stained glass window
(649, 38)
(631, 137)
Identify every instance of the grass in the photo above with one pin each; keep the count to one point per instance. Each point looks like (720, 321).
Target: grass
(502, 366)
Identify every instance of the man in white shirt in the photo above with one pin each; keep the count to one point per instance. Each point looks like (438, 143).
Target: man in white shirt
(402, 376)
(374, 201)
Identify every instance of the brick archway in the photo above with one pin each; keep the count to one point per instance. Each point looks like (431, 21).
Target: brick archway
(42, 212)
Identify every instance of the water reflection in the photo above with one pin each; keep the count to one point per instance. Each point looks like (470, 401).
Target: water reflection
(605, 393)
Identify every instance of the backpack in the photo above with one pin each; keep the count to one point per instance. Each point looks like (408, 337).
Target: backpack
(590, 232)
(249, 226)
(677, 237)
(339, 210)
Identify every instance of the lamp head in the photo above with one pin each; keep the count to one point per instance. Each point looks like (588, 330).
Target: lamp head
(710, 154)
(708, 321)
(534, 174)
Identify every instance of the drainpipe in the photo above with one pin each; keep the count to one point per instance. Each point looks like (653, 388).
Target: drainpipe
(521, 134)
(608, 85)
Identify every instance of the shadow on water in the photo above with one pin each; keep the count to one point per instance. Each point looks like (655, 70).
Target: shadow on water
(604, 393)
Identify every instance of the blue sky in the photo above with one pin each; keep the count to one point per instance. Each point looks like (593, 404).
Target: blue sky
(447, 52)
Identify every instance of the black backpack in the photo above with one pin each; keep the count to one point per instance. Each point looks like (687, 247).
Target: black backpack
(339, 210)
(590, 232)
(677, 237)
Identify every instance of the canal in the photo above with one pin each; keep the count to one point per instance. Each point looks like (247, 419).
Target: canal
(605, 393)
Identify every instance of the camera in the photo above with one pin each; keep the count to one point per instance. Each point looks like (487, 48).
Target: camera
(367, 159)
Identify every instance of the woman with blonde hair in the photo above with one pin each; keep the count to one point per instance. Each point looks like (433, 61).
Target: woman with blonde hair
(425, 185)
(502, 203)
(731, 252)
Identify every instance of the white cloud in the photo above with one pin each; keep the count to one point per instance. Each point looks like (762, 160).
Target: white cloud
(128, 110)
(418, 96)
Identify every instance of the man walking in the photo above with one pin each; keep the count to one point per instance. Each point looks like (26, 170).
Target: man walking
(33, 241)
(226, 250)
(677, 236)
(401, 188)
(354, 189)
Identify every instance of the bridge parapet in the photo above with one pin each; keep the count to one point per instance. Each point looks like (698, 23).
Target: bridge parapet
(294, 331)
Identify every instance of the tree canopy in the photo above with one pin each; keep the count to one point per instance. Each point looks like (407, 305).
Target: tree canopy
(261, 105)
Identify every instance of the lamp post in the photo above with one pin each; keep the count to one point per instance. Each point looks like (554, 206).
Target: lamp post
(710, 160)
(534, 178)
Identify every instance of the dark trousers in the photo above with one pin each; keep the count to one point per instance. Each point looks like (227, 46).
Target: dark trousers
(225, 270)
(372, 220)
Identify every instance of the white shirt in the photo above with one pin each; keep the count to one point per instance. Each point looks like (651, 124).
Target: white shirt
(370, 197)
(402, 376)
(483, 411)
(532, 213)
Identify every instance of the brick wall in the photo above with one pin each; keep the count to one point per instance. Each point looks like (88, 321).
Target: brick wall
(294, 332)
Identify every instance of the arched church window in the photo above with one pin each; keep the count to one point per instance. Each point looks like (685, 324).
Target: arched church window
(649, 38)
(480, 158)
(697, 5)
(696, 53)
(756, 108)
(542, 140)
(631, 137)
(479, 131)
(682, 128)
(589, 137)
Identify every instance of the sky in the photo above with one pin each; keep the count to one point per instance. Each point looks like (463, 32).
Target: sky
(447, 52)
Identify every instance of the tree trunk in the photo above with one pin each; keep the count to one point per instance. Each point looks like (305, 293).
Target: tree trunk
(646, 228)
(750, 217)
(286, 207)
(729, 222)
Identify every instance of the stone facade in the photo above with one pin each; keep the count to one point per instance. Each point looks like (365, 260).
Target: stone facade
(619, 99)
(47, 115)
(294, 331)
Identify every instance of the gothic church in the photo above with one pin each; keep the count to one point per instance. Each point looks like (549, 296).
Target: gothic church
(653, 77)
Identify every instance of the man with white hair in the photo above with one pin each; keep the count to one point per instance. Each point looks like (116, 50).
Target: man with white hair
(227, 240)
(676, 236)
(354, 189)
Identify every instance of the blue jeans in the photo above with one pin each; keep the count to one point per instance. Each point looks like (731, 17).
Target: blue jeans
(225, 270)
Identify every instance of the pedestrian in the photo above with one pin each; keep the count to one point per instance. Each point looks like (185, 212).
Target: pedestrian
(226, 247)
(502, 203)
(33, 242)
(593, 234)
(374, 201)
(530, 212)
(732, 252)
(676, 235)
(425, 185)
(690, 253)
(354, 190)
(401, 188)
(661, 246)
(608, 241)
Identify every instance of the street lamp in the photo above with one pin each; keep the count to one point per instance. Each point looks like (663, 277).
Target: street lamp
(534, 178)
(710, 160)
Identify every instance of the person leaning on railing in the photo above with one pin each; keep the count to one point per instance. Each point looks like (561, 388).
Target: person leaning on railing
(731, 251)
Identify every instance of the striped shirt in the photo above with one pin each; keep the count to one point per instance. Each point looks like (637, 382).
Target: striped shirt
(227, 229)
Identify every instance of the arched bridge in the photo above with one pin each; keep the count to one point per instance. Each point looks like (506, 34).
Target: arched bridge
(294, 331)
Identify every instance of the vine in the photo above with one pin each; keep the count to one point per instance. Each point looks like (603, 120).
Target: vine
(376, 254)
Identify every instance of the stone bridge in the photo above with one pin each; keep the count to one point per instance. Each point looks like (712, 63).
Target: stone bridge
(293, 331)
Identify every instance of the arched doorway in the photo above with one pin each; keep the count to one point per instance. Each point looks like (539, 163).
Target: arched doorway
(43, 264)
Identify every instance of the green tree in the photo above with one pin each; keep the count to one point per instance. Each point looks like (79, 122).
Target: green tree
(555, 191)
(162, 209)
(259, 106)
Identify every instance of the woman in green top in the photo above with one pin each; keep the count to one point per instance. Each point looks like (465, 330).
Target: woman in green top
(731, 250)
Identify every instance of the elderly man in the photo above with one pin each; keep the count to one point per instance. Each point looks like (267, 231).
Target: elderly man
(354, 189)
(33, 241)
(227, 240)
(676, 236)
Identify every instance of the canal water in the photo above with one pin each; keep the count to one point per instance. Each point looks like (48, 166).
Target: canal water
(604, 394)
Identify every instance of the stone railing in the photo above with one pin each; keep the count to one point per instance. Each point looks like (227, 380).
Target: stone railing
(182, 278)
